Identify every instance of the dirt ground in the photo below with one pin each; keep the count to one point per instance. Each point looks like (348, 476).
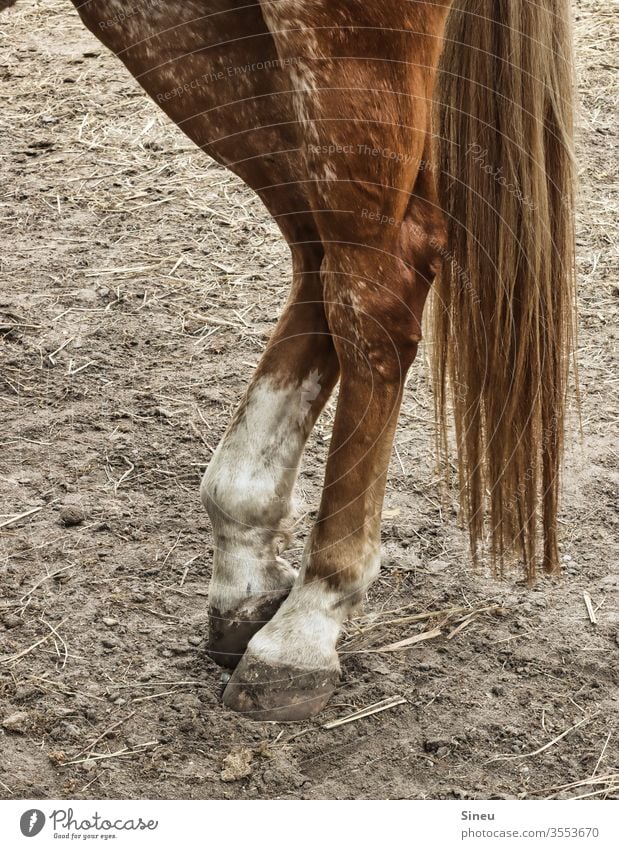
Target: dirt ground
(139, 283)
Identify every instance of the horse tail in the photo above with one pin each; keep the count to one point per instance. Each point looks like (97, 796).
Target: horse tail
(504, 315)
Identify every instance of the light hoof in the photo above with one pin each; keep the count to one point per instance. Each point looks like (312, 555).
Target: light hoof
(278, 693)
(230, 632)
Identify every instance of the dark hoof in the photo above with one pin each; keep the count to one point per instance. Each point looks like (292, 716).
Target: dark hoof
(278, 693)
(230, 632)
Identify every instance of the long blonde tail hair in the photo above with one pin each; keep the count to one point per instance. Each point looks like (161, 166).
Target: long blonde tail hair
(503, 313)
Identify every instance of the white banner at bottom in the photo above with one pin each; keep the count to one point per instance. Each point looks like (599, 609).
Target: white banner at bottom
(282, 824)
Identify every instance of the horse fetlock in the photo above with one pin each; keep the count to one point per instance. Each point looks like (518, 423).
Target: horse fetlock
(230, 631)
(243, 596)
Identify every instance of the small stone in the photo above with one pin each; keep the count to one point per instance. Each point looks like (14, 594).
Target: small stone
(26, 692)
(71, 516)
(237, 765)
(609, 581)
(70, 731)
(109, 621)
(436, 566)
(86, 296)
(433, 746)
(16, 722)
(120, 701)
(109, 642)
(147, 673)
(194, 640)
(178, 648)
(187, 702)
(64, 712)
(459, 793)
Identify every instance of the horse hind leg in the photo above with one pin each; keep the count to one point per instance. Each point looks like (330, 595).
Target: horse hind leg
(248, 484)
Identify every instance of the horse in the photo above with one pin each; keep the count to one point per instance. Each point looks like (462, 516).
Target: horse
(402, 147)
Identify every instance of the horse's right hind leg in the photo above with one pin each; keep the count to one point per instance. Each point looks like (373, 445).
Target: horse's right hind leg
(248, 485)
(214, 69)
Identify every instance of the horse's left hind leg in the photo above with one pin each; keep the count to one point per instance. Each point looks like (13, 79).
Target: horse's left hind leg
(248, 485)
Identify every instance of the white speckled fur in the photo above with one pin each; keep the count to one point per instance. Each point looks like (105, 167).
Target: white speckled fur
(248, 485)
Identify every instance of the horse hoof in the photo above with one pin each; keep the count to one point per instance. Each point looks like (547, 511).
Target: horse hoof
(230, 632)
(278, 693)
